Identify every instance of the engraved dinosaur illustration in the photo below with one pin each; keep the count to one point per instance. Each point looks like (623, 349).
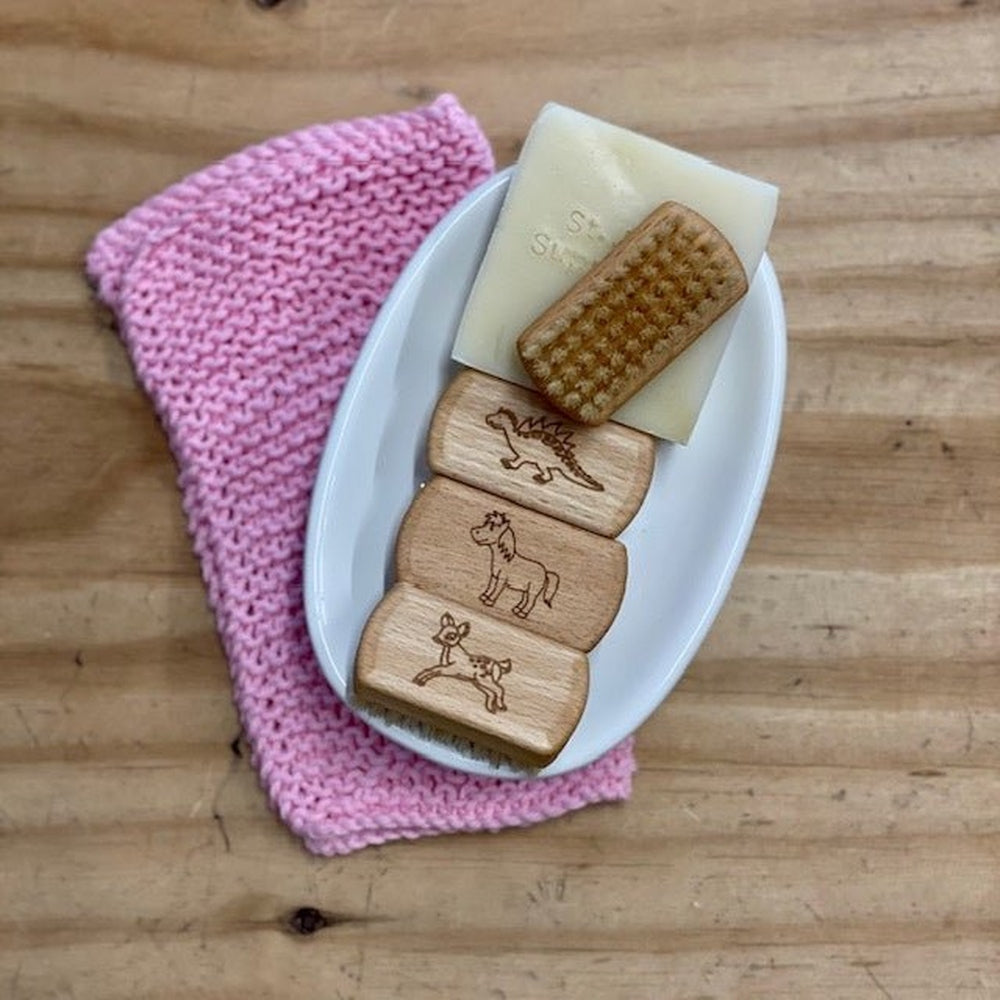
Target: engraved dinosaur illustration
(483, 672)
(545, 443)
(508, 568)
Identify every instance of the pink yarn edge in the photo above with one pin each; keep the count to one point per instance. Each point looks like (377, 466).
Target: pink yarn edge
(116, 246)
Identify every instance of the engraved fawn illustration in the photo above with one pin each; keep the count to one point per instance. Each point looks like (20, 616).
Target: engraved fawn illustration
(545, 443)
(482, 672)
(508, 568)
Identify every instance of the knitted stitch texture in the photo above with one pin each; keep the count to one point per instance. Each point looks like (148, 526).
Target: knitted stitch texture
(243, 295)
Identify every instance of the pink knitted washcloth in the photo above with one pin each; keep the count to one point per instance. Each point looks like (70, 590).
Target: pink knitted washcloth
(243, 295)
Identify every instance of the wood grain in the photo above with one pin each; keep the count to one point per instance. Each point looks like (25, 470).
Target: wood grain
(470, 676)
(513, 564)
(815, 810)
(507, 440)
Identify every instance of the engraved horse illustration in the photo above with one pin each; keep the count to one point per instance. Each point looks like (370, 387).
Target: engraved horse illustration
(482, 672)
(545, 443)
(508, 568)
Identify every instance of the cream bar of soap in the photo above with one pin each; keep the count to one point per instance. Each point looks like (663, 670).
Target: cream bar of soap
(580, 185)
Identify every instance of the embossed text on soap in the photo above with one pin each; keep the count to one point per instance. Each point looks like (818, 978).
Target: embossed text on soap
(564, 249)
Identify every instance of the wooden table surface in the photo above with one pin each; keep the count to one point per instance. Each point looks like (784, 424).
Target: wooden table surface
(817, 807)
